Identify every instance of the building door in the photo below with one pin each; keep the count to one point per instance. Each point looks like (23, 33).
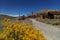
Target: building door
(50, 15)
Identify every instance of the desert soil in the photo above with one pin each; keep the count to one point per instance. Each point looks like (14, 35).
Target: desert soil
(50, 32)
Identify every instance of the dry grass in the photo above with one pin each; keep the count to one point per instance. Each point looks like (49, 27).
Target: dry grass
(55, 22)
(26, 21)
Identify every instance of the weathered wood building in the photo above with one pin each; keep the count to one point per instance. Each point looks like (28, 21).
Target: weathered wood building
(22, 17)
(50, 14)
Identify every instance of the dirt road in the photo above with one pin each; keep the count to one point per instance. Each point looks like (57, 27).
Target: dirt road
(50, 32)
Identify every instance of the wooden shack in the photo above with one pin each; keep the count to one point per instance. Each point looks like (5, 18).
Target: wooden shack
(22, 17)
(50, 14)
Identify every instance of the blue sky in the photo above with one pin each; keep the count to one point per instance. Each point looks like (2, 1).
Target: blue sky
(12, 7)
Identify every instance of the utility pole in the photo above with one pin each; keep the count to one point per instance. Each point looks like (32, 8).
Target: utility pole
(19, 15)
(32, 14)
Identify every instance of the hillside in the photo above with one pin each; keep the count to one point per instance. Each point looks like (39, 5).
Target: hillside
(2, 16)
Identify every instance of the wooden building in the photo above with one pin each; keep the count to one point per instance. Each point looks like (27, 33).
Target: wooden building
(50, 14)
(22, 17)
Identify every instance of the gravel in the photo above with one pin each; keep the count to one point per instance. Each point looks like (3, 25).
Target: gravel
(50, 32)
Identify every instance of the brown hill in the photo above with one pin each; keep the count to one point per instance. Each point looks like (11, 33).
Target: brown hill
(2, 16)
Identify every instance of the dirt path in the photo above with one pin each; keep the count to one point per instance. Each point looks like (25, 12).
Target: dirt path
(49, 31)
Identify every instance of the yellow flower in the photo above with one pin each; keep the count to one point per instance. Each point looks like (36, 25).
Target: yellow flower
(13, 39)
(21, 31)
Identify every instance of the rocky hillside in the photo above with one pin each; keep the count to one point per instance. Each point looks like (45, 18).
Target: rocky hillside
(2, 16)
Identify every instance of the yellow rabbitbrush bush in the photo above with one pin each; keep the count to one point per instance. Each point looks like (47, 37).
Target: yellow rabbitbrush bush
(5, 22)
(21, 32)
